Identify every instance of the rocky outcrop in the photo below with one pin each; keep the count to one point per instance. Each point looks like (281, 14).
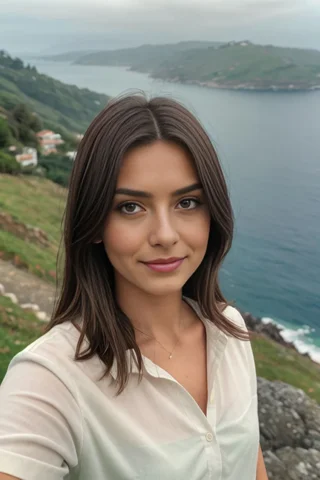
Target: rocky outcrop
(289, 431)
(271, 330)
(21, 230)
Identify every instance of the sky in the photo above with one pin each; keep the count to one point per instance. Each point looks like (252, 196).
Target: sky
(44, 26)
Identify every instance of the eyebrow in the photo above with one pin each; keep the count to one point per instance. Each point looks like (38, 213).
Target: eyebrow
(140, 193)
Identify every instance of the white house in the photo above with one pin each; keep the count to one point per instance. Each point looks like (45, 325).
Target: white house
(28, 157)
(48, 141)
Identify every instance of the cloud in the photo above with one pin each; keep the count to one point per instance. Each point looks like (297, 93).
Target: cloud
(133, 22)
(126, 12)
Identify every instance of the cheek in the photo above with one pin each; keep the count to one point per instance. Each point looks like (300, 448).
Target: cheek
(199, 232)
(119, 240)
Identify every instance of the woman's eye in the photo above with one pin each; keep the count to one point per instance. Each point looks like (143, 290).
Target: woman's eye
(189, 203)
(128, 208)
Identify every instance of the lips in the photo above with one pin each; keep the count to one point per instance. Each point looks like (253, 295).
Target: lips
(164, 261)
(164, 265)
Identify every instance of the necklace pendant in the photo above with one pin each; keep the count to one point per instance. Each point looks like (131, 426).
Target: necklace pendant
(170, 356)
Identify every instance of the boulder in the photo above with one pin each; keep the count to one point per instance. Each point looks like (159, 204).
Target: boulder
(289, 431)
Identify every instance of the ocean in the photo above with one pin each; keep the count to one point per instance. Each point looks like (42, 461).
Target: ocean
(269, 147)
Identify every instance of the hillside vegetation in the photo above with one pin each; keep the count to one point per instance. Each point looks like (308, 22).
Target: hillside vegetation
(234, 65)
(141, 58)
(60, 106)
(38, 203)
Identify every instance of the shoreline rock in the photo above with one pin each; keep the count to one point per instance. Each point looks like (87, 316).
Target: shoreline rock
(271, 330)
(289, 423)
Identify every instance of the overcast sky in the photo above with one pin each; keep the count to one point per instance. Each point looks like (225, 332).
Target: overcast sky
(42, 26)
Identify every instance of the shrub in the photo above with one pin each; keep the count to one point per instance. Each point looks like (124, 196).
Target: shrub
(8, 164)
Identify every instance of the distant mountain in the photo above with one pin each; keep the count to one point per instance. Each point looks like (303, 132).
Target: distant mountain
(243, 65)
(60, 106)
(68, 56)
(232, 65)
(139, 58)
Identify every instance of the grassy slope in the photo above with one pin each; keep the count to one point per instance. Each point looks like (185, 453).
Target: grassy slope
(18, 328)
(37, 202)
(61, 106)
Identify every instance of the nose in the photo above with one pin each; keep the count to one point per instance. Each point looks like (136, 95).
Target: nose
(163, 231)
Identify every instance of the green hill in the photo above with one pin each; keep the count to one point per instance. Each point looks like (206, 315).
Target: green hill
(247, 66)
(141, 58)
(234, 65)
(26, 204)
(61, 107)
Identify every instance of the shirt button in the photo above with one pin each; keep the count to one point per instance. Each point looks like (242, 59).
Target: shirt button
(209, 437)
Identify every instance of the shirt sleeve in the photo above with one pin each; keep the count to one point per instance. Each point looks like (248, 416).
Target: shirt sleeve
(40, 421)
(246, 347)
(250, 359)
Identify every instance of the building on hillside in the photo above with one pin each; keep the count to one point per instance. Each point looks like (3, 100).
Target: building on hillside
(28, 157)
(71, 154)
(48, 141)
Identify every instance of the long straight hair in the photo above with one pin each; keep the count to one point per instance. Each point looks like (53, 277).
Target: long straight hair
(88, 290)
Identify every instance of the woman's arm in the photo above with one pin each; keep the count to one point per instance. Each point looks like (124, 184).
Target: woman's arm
(261, 469)
(4, 476)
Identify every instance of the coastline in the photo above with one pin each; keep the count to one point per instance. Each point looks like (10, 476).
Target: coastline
(241, 86)
(279, 334)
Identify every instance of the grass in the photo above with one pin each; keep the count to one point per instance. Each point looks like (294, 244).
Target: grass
(37, 202)
(276, 362)
(18, 328)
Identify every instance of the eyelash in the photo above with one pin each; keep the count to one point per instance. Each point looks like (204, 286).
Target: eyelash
(120, 207)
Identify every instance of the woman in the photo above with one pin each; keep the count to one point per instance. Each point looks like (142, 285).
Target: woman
(145, 371)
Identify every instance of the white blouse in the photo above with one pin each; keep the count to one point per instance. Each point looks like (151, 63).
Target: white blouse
(59, 421)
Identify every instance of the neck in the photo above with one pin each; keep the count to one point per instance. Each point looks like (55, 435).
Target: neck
(158, 317)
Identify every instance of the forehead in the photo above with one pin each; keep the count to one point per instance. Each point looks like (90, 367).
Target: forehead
(158, 164)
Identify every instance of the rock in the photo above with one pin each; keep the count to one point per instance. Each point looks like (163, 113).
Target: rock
(298, 463)
(289, 431)
(12, 297)
(270, 329)
(42, 316)
(30, 306)
(21, 230)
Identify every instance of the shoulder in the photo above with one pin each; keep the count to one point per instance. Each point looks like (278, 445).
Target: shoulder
(232, 314)
(58, 345)
(54, 353)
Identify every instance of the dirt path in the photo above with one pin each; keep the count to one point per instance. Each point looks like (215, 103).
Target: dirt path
(27, 287)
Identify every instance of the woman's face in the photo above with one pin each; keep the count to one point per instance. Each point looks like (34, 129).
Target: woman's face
(156, 222)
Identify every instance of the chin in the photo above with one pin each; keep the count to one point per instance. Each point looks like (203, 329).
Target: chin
(161, 290)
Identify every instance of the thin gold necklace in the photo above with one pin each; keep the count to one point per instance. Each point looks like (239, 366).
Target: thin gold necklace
(170, 353)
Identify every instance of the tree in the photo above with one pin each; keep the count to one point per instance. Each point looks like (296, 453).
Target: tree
(4, 133)
(8, 164)
(22, 114)
(35, 123)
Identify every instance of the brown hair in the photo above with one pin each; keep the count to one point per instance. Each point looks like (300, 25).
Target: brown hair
(87, 290)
